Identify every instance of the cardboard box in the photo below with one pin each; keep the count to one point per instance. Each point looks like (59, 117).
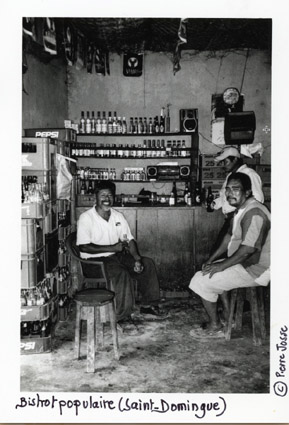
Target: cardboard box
(85, 200)
(209, 161)
(264, 172)
(213, 173)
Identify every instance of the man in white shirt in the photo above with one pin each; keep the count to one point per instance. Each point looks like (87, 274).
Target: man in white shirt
(104, 234)
(233, 164)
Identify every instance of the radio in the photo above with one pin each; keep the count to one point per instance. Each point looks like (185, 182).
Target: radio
(168, 172)
(188, 120)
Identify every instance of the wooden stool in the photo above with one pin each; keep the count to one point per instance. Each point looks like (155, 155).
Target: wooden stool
(255, 296)
(92, 305)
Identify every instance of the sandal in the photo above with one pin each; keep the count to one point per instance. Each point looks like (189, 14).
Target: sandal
(207, 333)
(153, 310)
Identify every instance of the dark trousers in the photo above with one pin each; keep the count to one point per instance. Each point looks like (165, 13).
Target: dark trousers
(119, 268)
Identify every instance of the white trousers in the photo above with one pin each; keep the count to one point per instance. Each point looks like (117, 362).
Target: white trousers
(231, 278)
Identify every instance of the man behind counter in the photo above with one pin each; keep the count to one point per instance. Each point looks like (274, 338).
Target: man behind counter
(233, 163)
(104, 234)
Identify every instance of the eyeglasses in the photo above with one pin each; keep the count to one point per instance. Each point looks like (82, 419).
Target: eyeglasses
(234, 189)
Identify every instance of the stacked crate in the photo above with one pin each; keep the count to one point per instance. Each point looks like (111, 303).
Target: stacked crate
(212, 174)
(38, 284)
(45, 265)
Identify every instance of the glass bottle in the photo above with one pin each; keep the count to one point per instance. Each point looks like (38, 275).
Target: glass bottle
(98, 126)
(92, 122)
(114, 123)
(124, 126)
(83, 188)
(162, 121)
(186, 191)
(109, 124)
(210, 200)
(156, 124)
(104, 123)
(82, 123)
(198, 199)
(87, 123)
(135, 128)
(90, 188)
(131, 126)
(172, 199)
(151, 126)
(119, 126)
(140, 126)
(168, 120)
(145, 125)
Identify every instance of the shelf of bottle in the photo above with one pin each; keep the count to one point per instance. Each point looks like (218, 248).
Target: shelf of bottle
(132, 148)
(131, 157)
(135, 134)
(184, 179)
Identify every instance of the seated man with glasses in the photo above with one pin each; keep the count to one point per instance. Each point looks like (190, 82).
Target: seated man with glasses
(246, 247)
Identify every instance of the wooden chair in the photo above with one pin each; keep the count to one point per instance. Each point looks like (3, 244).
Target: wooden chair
(255, 297)
(95, 304)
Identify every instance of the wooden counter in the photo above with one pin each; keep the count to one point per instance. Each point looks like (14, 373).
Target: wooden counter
(177, 238)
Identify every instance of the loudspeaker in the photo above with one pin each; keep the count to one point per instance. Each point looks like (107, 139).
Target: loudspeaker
(188, 120)
(239, 128)
(152, 172)
(184, 171)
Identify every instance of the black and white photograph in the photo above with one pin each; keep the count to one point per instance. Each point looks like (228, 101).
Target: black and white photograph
(147, 256)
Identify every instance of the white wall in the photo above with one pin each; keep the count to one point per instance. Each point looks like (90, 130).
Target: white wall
(201, 75)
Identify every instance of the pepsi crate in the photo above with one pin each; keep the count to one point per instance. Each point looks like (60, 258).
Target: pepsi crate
(64, 134)
(32, 269)
(36, 345)
(34, 209)
(37, 312)
(47, 178)
(50, 219)
(40, 156)
(51, 250)
(63, 286)
(31, 236)
(63, 232)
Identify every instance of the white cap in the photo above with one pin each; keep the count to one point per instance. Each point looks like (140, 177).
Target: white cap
(227, 151)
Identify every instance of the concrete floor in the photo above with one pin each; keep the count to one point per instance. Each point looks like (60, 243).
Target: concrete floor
(157, 356)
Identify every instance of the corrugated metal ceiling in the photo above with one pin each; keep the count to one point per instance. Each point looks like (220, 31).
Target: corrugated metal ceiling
(161, 34)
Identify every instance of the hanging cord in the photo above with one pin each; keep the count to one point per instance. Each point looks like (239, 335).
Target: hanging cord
(245, 66)
(219, 70)
(144, 82)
